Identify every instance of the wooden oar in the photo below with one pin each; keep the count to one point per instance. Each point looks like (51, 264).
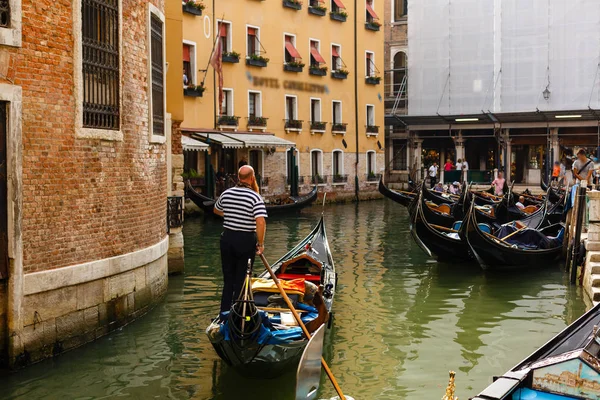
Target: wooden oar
(443, 228)
(517, 231)
(337, 387)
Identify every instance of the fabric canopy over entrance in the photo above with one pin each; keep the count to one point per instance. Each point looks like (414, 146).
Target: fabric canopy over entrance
(220, 139)
(190, 144)
(239, 140)
(261, 140)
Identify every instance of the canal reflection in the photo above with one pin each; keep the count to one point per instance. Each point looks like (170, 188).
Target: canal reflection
(401, 322)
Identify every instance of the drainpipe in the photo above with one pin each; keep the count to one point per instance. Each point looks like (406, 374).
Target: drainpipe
(356, 189)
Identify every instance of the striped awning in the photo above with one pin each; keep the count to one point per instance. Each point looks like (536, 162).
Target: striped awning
(259, 140)
(219, 138)
(189, 144)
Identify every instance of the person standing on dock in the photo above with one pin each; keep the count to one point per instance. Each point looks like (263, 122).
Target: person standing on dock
(433, 170)
(243, 236)
(498, 184)
(583, 167)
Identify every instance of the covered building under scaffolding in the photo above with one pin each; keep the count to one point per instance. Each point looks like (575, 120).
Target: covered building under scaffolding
(500, 84)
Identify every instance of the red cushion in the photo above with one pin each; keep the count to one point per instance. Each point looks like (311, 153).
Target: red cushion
(311, 278)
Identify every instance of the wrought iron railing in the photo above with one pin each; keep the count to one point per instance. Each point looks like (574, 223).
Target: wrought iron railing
(339, 178)
(338, 127)
(228, 120)
(372, 129)
(174, 212)
(293, 123)
(257, 121)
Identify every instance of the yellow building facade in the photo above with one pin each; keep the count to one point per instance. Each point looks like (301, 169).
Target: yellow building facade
(303, 75)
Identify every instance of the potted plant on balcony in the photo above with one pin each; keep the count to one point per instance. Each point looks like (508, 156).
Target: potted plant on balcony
(231, 57)
(295, 4)
(338, 15)
(257, 60)
(372, 80)
(294, 66)
(371, 176)
(372, 129)
(293, 124)
(337, 178)
(317, 69)
(373, 25)
(338, 127)
(228, 120)
(193, 7)
(318, 126)
(339, 73)
(260, 122)
(194, 91)
(317, 8)
(195, 179)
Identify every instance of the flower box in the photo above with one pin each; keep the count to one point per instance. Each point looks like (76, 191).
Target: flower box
(372, 80)
(257, 122)
(193, 91)
(293, 124)
(339, 74)
(293, 67)
(319, 11)
(228, 120)
(338, 16)
(257, 61)
(192, 8)
(340, 178)
(373, 26)
(318, 71)
(338, 128)
(294, 4)
(372, 129)
(318, 126)
(231, 57)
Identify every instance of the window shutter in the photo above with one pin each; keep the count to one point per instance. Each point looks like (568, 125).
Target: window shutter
(186, 53)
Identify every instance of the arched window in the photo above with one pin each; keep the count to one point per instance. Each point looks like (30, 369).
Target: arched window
(337, 166)
(400, 83)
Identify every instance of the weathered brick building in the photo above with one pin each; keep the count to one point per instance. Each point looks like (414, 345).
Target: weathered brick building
(83, 170)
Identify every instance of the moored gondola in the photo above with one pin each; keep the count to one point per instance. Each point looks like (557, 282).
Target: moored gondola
(400, 197)
(566, 367)
(257, 337)
(438, 241)
(517, 244)
(291, 203)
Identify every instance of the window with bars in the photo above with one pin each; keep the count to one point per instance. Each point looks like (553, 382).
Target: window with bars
(4, 14)
(400, 155)
(100, 64)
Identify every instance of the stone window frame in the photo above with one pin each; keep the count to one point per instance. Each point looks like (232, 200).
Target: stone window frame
(229, 33)
(374, 170)
(12, 36)
(260, 102)
(403, 19)
(320, 166)
(342, 169)
(333, 103)
(80, 131)
(160, 139)
(193, 75)
(13, 95)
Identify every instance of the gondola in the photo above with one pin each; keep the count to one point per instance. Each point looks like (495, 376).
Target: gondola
(437, 241)
(206, 203)
(403, 198)
(265, 344)
(492, 251)
(566, 367)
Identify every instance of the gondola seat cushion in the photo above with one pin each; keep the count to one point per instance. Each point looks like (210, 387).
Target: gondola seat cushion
(311, 278)
(485, 228)
(457, 225)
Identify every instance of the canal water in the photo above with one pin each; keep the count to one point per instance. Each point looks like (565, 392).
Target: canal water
(401, 322)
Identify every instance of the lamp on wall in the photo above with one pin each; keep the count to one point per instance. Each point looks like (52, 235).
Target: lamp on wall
(546, 94)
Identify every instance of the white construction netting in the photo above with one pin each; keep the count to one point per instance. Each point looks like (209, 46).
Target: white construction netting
(469, 56)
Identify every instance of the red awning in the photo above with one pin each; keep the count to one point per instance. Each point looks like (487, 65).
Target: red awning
(252, 31)
(371, 11)
(222, 29)
(334, 51)
(186, 53)
(339, 4)
(315, 53)
(292, 50)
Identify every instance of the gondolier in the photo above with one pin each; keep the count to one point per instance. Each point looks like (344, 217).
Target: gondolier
(243, 236)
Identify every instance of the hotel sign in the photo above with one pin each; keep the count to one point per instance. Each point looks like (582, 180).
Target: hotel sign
(274, 83)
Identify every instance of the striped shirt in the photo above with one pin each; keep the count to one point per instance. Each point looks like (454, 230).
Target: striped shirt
(241, 206)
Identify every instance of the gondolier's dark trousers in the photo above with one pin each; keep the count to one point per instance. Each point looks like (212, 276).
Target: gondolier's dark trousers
(236, 248)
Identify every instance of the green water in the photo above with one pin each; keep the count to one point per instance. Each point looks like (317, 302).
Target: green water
(401, 322)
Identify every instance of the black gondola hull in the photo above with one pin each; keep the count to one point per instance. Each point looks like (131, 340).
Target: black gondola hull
(400, 198)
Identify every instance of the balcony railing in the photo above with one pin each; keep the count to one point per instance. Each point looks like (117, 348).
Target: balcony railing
(372, 129)
(228, 120)
(339, 178)
(257, 122)
(318, 126)
(293, 124)
(338, 127)
(317, 179)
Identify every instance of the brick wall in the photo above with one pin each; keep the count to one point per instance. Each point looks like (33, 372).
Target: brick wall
(84, 199)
